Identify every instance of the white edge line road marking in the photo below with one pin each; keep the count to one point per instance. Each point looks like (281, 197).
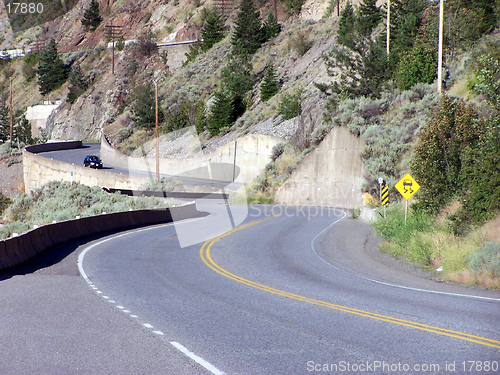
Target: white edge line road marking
(214, 370)
(389, 284)
(199, 360)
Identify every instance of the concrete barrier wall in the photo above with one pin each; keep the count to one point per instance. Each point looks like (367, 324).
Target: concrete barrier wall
(253, 152)
(39, 170)
(54, 146)
(331, 176)
(17, 250)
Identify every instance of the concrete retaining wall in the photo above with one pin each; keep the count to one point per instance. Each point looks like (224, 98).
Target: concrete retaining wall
(39, 170)
(331, 176)
(253, 152)
(17, 250)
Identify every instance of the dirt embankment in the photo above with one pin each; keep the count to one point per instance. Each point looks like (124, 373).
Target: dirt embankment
(11, 172)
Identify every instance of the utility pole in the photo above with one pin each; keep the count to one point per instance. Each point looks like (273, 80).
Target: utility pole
(11, 113)
(388, 41)
(113, 32)
(338, 8)
(157, 134)
(440, 47)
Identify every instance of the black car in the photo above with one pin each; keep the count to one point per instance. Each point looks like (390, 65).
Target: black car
(92, 161)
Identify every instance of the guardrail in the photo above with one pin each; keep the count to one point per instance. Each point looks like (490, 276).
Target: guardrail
(169, 194)
(17, 250)
(54, 146)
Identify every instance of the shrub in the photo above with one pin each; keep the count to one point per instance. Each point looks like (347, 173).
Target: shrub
(437, 161)
(59, 201)
(404, 238)
(277, 151)
(486, 260)
(290, 105)
(146, 44)
(4, 202)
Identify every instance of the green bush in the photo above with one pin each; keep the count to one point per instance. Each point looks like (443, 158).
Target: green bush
(59, 201)
(486, 260)
(290, 105)
(437, 161)
(405, 238)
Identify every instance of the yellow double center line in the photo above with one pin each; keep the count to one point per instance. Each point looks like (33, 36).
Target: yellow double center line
(207, 259)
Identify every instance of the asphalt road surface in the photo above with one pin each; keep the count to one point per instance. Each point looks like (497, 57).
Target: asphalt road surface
(76, 156)
(296, 293)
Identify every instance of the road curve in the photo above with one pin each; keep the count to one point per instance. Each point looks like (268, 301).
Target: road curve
(76, 156)
(267, 298)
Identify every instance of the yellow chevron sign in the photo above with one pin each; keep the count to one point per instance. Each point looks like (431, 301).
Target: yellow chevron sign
(407, 186)
(384, 195)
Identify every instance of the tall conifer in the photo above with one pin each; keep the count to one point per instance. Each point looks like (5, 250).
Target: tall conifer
(52, 72)
(91, 17)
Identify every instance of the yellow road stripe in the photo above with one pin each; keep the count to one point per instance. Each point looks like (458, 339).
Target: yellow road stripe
(207, 259)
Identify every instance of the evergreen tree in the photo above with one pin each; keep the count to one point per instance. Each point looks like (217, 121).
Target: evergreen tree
(192, 54)
(237, 80)
(406, 18)
(347, 24)
(487, 12)
(221, 112)
(362, 62)
(369, 16)
(91, 17)
(271, 27)
(247, 36)
(144, 109)
(4, 122)
(78, 83)
(23, 130)
(213, 29)
(294, 6)
(416, 66)
(269, 85)
(52, 72)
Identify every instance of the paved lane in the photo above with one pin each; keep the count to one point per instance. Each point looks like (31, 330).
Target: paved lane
(76, 156)
(261, 301)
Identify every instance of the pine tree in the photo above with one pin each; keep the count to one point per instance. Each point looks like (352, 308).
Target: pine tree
(4, 122)
(221, 112)
(237, 80)
(271, 27)
(247, 35)
(269, 85)
(213, 30)
(52, 72)
(144, 109)
(78, 83)
(369, 16)
(91, 17)
(362, 62)
(347, 24)
(193, 53)
(23, 130)
(406, 18)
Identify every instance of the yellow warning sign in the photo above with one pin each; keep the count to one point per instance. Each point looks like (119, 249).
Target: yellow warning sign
(407, 186)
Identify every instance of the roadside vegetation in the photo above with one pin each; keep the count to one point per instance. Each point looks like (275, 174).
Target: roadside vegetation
(429, 242)
(57, 201)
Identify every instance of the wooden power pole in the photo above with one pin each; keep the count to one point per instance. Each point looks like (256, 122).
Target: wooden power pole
(113, 32)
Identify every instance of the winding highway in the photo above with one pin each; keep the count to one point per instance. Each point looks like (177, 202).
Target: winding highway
(289, 291)
(76, 156)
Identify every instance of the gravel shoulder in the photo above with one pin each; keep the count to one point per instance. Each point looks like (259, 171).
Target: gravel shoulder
(352, 246)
